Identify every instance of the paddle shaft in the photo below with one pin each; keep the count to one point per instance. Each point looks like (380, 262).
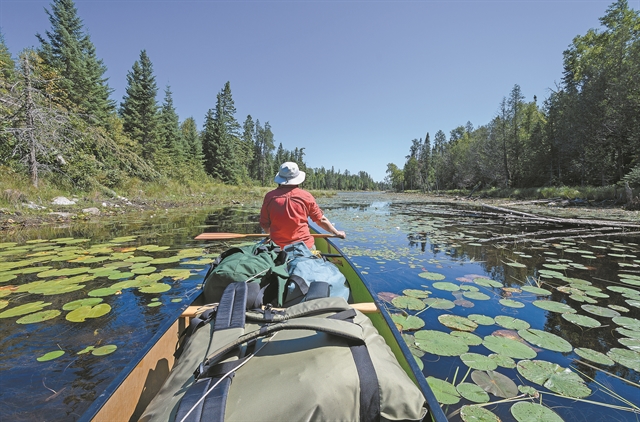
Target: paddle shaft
(223, 236)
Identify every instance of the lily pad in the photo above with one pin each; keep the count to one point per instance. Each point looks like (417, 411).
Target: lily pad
(582, 320)
(511, 323)
(70, 306)
(408, 323)
(104, 350)
(420, 294)
(550, 305)
(533, 412)
(470, 413)
(472, 392)
(408, 302)
(629, 323)
(593, 356)
(546, 340)
(508, 347)
(486, 282)
(502, 360)
(456, 322)
(600, 311)
(24, 309)
(82, 313)
(447, 286)
(431, 275)
(495, 383)
(481, 319)
(106, 291)
(478, 361)
(476, 295)
(50, 356)
(511, 303)
(554, 377)
(39, 317)
(625, 357)
(468, 338)
(438, 303)
(440, 343)
(444, 391)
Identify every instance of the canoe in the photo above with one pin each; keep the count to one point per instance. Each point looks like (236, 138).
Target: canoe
(126, 398)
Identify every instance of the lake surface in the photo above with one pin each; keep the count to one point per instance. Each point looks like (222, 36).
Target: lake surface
(484, 303)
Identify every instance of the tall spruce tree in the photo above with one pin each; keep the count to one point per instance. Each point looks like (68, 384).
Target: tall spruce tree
(192, 143)
(169, 134)
(139, 108)
(209, 146)
(69, 50)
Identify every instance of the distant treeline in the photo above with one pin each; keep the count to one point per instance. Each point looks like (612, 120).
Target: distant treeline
(57, 119)
(587, 132)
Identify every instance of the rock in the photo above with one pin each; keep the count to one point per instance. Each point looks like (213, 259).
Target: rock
(92, 210)
(61, 200)
(33, 206)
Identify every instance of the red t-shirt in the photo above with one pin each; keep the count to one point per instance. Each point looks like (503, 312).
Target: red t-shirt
(285, 211)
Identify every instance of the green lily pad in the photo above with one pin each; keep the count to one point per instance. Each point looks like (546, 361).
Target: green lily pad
(508, 347)
(70, 306)
(600, 311)
(38, 317)
(420, 294)
(550, 305)
(50, 356)
(408, 302)
(155, 288)
(516, 264)
(582, 320)
(467, 338)
(440, 343)
(495, 383)
(625, 357)
(444, 391)
(502, 360)
(168, 260)
(82, 313)
(431, 275)
(438, 303)
(86, 350)
(154, 304)
(470, 413)
(511, 303)
(554, 377)
(104, 350)
(407, 323)
(486, 282)
(143, 270)
(456, 322)
(626, 322)
(511, 323)
(533, 412)
(176, 274)
(24, 309)
(472, 392)
(593, 356)
(478, 361)
(481, 319)
(476, 295)
(545, 340)
(106, 291)
(631, 343)
(6, 277)
(628, 333)
(447, 286)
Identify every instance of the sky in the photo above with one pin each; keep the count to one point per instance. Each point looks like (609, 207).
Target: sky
(352, 82)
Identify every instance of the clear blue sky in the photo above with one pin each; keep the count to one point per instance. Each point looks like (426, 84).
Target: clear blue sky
(353, 82)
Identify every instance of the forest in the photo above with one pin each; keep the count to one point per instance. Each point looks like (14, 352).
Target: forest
(59, 123)
(586, 133)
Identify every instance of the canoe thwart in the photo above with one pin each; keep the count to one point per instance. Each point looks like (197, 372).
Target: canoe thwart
(364, 307)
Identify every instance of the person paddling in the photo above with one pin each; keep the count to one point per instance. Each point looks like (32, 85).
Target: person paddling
(286, 210)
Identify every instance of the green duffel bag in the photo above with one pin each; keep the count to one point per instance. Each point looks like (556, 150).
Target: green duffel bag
(320, 360)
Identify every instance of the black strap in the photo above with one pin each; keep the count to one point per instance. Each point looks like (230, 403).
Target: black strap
(232, 307)
(348, 314)
(318, 290)
(369, 387)
(211, 408)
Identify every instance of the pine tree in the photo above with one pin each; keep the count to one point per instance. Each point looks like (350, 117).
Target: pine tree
(192, 143)
(169, 135)
(209, 145)
(246, 155)
(7, 79)
(70, 51)
(139, 109)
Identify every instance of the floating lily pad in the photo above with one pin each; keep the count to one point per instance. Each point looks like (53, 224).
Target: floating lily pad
(143, 270)
(444, 391)
(502, 360)
(472, 392)
(104, 350)
(440, 343)
(154, 304)
(495, 383)
(39, 317)
(155, 288)
(408, 302)
(582, 320)
(470, 413)
(478, 361)
(516, 264)
(511, 303)
(24, 309)
(546, 340)
(447, 286)
(438, 303)
(628, 333)
(70, 306)
(554, 377)
(407, 323)
(168, 260)
(511, 323)
(508, 347)
(431, 275)
(176, 274)
(600, 311)
(82, 313)
(456, 322)
(50, 356)
(486, 282)
(625, 357)
(550, 305)
(533, 412)
(476, 295)
(626, 322)
(593, 356)
(86, 350)
(631, 343)
(106, 291)
(420, 294)
(467, 338)
(536, 290)
(482, 319)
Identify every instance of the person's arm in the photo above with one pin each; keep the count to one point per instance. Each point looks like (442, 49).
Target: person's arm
(326, 224)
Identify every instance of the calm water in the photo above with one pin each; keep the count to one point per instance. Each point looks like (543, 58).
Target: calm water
(398, 244)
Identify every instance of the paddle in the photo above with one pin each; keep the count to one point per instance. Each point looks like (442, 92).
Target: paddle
(224, 236)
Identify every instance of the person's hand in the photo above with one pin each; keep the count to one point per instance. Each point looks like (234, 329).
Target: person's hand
(341, 234)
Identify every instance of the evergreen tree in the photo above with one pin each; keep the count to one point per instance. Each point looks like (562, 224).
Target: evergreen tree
(7, 79)
(139, 108)
(69, 50)
(209, 146)
(246, 150)
(170, 136)
(192, 143)
(263, 160)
